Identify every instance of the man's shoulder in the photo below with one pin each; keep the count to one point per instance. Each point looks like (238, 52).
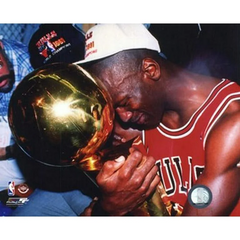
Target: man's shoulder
(18, 57)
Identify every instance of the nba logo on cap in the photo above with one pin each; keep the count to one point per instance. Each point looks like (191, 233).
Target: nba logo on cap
(11, 188)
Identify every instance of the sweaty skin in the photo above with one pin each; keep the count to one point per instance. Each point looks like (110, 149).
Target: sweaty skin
(158, 91)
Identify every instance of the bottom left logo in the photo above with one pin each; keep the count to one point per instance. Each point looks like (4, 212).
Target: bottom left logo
(15, 201)
(11, 188)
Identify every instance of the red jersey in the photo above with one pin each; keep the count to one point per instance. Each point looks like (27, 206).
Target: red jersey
(180, 153)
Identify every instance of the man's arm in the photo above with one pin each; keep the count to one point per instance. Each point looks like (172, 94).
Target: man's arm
(221, 174)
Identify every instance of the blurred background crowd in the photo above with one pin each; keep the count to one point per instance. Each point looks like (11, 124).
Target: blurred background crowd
(211, 49)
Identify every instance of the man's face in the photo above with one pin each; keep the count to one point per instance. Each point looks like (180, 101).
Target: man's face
(134, 100)
(6, 75)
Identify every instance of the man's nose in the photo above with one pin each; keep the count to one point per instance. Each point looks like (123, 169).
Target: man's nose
(124, 114)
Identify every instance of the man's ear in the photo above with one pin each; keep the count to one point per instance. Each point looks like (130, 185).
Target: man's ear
(151, 69)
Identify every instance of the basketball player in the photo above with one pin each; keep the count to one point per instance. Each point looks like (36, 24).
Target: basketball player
(190, 123)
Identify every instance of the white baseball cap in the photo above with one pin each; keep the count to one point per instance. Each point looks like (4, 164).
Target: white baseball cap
(104, 40)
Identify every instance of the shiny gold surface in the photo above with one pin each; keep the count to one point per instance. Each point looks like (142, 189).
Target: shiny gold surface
(61, 116)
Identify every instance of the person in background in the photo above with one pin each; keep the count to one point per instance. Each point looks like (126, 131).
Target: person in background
(14, 66)
(56, 43)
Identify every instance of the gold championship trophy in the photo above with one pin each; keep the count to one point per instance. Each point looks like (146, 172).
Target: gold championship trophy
(61, 116)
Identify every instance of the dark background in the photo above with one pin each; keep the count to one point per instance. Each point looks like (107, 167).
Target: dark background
(210, 49)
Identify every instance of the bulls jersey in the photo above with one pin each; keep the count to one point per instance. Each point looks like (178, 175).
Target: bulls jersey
(180, 152)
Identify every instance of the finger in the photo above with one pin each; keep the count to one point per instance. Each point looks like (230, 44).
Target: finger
(110, 167)
(131, 163)
(147, 165)
(149, 182)
(147, 189)
(153, 185)
(149, 192)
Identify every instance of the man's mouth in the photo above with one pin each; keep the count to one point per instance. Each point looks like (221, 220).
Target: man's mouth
(3, 83)
(139, 120)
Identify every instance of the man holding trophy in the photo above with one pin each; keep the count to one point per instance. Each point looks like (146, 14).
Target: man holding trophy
(186, 161)
(190, 127)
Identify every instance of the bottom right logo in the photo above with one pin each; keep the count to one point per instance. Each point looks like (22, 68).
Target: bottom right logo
(200, 196)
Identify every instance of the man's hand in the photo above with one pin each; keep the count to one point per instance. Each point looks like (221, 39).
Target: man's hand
(126, 183)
